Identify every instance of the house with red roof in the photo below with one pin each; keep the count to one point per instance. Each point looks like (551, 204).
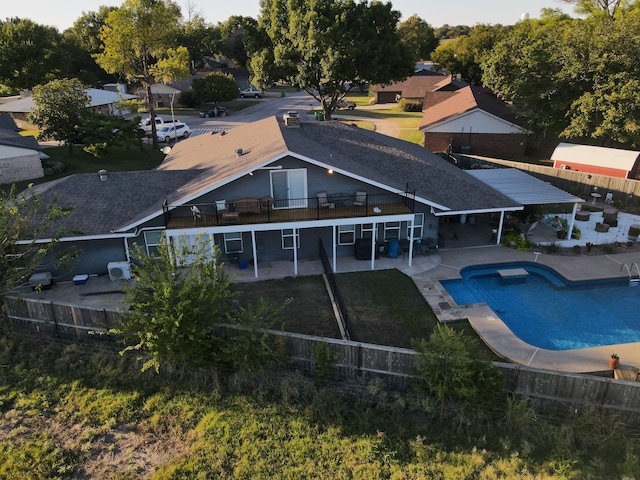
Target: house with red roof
(472, 120)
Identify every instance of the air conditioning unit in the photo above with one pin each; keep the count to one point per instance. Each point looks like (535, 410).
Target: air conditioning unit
(119, 270)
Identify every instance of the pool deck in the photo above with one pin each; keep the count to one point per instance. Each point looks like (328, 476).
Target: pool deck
(427, 271)
(498, 336)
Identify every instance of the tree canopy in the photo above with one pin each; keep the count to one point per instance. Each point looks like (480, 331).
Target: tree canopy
(140, 43)
(327, 47)
(25, 217)
(215, 87)
(180, 296)
(58, 107)
(419, 36)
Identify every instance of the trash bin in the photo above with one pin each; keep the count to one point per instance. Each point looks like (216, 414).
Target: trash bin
(392, 248)
(319, 115)
(283, 93)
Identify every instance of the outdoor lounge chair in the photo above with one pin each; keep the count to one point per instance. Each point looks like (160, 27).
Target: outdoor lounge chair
(361, 199)
(323, 200)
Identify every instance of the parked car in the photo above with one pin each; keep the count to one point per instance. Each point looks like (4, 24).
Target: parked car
(144, 127)
(175, 131)
(251, 92)
(343, 103)
(217, 111)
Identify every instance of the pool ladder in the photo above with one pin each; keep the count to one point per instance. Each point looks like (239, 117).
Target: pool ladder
(633, 281)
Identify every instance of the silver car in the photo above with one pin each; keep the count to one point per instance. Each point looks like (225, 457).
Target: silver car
(171, 132)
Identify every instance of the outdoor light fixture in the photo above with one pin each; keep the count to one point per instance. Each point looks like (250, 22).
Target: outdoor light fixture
(330, 171)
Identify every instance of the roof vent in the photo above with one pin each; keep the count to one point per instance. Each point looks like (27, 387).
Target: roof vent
(238, 152)
(103, 174)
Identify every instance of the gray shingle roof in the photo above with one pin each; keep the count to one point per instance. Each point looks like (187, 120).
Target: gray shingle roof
(10, 137)
(394, 163)
(100, 208)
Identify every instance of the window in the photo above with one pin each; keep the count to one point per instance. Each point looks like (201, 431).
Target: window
(367, 230)
(233, 242)
(391, 230)
(152, 240)
(288, 238)
(418, 224)
(346, 234)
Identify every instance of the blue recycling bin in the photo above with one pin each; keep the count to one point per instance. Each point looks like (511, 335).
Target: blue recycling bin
(392, 248)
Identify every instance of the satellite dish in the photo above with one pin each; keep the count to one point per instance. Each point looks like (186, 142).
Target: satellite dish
(166, 150)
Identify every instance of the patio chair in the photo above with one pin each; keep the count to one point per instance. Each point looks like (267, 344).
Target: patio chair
(361, 199)
(323, 200)
(431, 245)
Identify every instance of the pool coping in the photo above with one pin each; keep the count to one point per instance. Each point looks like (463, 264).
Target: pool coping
(495, 333)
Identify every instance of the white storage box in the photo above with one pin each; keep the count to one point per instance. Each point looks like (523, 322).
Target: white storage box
(80, 279)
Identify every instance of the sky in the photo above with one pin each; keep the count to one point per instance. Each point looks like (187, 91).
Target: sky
(62, 13)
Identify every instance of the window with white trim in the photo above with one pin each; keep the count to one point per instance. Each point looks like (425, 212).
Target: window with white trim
(233, 242)
(418, 225)
(391, 230)
(288, 238)
(346, 234)
(152, 241)
(366, 231)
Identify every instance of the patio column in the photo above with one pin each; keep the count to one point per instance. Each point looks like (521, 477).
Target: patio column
(374, 237)
(295, 251)
(410, 227)
(572, 221)
(254, 250)
(499, 235)
(334, 248)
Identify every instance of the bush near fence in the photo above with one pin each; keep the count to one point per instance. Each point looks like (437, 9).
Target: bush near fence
(549, 391)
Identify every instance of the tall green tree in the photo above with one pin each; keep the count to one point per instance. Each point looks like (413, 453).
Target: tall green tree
(200, 39)
(215, 87)
(327, 47)
(233, 33)
(464, 55)
(180, 297)
(419, 36)
(82, 43)
(30, 55)
(24, 218)
(140, 42)
(58, 108)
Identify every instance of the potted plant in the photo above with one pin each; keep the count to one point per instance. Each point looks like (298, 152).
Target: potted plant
(614, 361)
(634, 231)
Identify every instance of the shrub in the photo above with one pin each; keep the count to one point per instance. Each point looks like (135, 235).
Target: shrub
(520, 241)
(405, 106)
(52, 168)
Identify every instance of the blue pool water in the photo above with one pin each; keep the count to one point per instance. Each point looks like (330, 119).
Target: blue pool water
(550, 312)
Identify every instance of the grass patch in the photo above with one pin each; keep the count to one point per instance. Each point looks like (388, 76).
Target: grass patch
(386, 308)
(360, 123)
(190, 424)
(310, 310)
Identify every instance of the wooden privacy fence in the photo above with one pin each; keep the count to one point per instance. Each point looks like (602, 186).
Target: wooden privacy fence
(626, 191)
(549, 391)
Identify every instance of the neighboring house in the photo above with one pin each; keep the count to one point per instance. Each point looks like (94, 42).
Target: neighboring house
(162, 94)
(473, 120)
(414, 88)
(265, 192)
(613, 162)
(103, 101)
(19, 156)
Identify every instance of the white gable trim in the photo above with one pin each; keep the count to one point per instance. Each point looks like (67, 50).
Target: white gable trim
(467, 117)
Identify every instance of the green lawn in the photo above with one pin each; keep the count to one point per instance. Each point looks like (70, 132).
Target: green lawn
(81, 411)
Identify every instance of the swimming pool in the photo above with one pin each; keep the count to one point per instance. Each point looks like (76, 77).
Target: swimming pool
(549, 311)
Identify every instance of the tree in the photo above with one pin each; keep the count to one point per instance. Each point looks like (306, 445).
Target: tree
(592, 6)
(30, 54)
(327, 47)
(215, 87)
(58, 107)
(139, 42)
(82, 43)
(449, 371)
(25, 218)
(98, 132)
(233, 33)
(464, 55)
(180, 297)
(200, 39)
(419, 36)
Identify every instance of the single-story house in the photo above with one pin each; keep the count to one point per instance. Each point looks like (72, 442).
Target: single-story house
(20, 157)
(266, 192)
(414, 88)
(613, 162)
(162, 94)
(473, 120)
(103, 101)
